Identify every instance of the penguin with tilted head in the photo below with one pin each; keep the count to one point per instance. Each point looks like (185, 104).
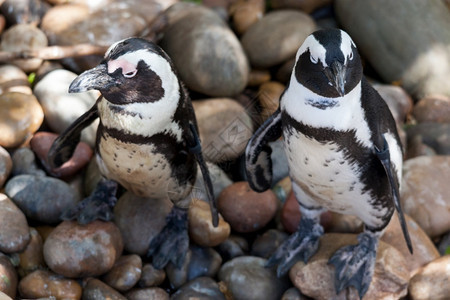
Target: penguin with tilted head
(147, 141)
(343, 151)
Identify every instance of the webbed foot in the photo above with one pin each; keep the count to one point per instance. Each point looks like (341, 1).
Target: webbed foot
(172, 243)
(97, 206)
(301, 245)
(354, 264)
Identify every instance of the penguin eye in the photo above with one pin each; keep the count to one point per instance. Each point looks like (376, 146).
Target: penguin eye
(350, 57)
(313, 59)
(130, 74)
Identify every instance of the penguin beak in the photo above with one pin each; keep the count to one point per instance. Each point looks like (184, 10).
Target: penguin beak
(336, 76)
(93, 79)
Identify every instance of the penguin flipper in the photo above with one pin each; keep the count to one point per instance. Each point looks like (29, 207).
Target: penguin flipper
(196, 149)
(63, 147)
(258, 164)
(384, 157)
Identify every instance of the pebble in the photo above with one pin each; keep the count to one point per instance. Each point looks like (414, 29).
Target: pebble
(266, 244)
(224, 128)
(433, 109)
(280, 166)
(396, 55)
(199, 262)
(233, 247)
(246, 13)
(24, 163)
(125, 273)
(284, 72)
(151, 276)
(432, 281)
(74, 250)
(14, 233)
(41, 283)
(201, 229)
(61, 108)
(248, 271)
(20, 117)
(32, 258)
(269, 97)
(399, 102)
(293, 294)
(8, 274)
(288, 29)
(208, 56)
(29, 12)
(41, 198)
(246, 210)
(219, 179)
(203, 288)
(96, 289)
(13, 79)
(316, 278)
(341, 223)
(425, 191)
(308, 6)
(41, 143)
(6, 165)
(24, 37)
(154, 293)
(424, 251)
(258, 77)
(434, 136)
(140, 220)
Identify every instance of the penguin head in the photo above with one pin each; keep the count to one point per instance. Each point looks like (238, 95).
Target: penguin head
(133, 70)
(328, 64)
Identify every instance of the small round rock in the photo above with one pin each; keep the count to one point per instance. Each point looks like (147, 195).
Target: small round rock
(125, 273)
(14, 233)
(432, 280)
(151, 276)
(96, 289)
(42, 284)
(32, 257)
(153, 293)
(8, 275)
(246, 210)
(5, 165)
(75, 250)
(199, 288)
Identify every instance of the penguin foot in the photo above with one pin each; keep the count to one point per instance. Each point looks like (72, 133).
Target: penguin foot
(301, 245)
(172, 243)
(98, 206)
(354, 264)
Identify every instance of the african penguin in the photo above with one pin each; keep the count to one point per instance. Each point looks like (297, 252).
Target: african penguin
(147, 140)
(343, 151)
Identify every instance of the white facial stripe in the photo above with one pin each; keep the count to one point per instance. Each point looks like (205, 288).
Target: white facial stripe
(346, 45)
(315, 48)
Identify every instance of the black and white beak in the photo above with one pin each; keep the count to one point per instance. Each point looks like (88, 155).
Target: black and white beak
(336, 76)
(94, 79)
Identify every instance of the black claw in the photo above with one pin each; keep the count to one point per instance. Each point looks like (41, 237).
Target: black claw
(355, 264)
(172, 243)
(301, 245)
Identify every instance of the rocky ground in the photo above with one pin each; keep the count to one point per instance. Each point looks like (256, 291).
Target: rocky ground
(235, 56)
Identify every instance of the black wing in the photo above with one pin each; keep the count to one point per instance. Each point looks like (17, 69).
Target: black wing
(63, 147)
(196, 149)
(258, 164)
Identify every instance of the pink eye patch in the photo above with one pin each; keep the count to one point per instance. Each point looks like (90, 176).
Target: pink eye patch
(127, 67)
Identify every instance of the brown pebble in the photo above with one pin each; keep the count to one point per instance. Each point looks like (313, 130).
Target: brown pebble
(154, 293)
(6, 165)
(151, 277)
(14, 233)
(435, 108)
(201, 229)
(75, 250)
(32, 258)
(8, 276)
(245, 13)
(41, 143)
(125, 273)
(244, 209)
(96, 289)
(41, 283)
(269, 97)
(258, 77)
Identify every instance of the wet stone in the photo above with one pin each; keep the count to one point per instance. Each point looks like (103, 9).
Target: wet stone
(206, 53)
(266, 244)
(432, 280)
(125, 273)
(288, 29)
(61, 108)
(14, 233)
(74, 250)
(154, 293)
(41, 143)
(293, 294)
(20, 117)
(96, 289)
(233, 247)
(246, 210)
(24, 163)
(8, 274)
(41, 198)
(140, 220)
(151, 277)
(203, 288)
(201, 229)
(32, 258)
(6, 165)
(41, 283)
(248, 271)
(424, 189)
